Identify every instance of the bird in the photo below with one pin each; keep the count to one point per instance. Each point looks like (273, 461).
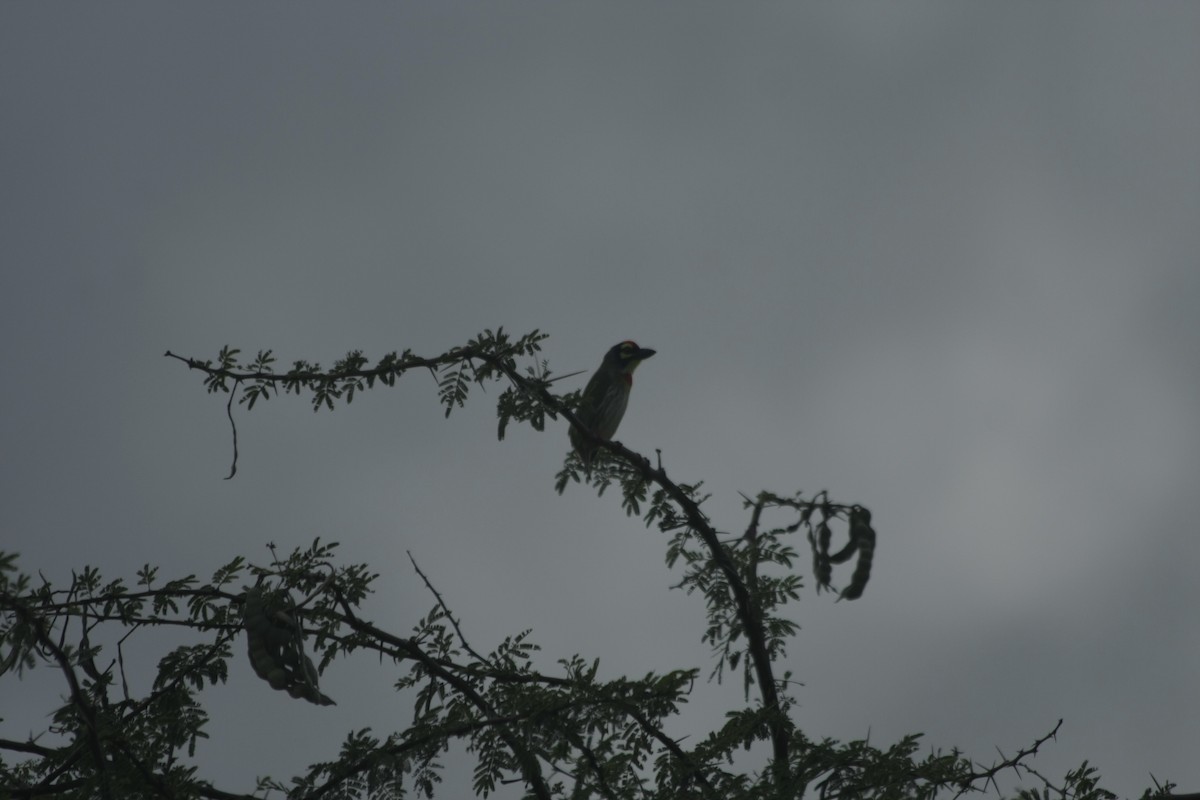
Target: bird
(603, 402)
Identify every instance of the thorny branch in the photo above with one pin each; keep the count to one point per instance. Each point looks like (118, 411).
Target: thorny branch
(1016, 762)
(747, 611)
(446, 610)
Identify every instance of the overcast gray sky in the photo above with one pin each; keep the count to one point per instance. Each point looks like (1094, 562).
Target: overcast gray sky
(942, 259)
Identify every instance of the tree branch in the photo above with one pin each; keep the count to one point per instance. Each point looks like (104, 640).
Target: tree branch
(450, 616)
(988, 775)
(28, 747)
(529, 765)
(747, 612)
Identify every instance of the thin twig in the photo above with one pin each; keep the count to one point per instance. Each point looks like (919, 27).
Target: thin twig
(233, 426)
(442, 604)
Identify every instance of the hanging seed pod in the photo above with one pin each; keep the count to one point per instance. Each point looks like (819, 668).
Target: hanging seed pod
(862, 535)
(822, 570)
(855, 533)
(275, 644)
(845, 554)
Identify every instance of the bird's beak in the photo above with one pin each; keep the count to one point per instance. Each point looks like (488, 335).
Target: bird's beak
(643, 353)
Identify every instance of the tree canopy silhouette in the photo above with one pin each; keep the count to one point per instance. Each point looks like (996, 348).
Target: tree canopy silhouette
(558, 733)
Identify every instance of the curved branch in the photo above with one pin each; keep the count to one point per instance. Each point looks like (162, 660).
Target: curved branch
(747, 612)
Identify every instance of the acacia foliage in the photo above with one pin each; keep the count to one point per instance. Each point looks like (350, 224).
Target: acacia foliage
(563, 732)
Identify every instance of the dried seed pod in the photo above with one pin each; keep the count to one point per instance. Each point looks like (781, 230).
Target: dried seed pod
(845, 554)
(862, 535)
(822, 570)
(275, 645)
